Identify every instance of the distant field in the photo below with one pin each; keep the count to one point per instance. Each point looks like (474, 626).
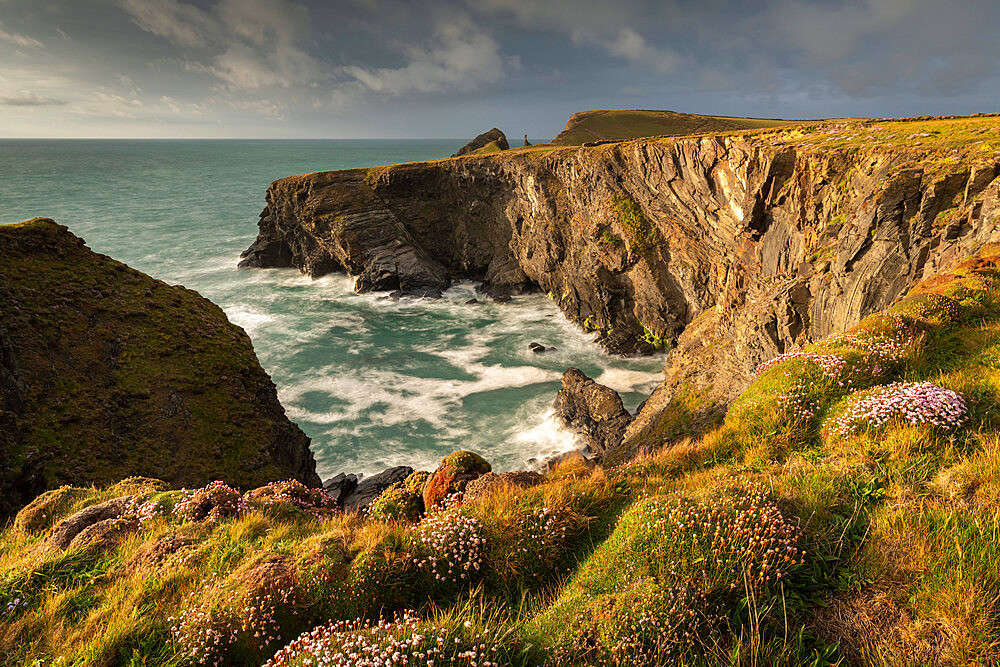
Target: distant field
(587, 126)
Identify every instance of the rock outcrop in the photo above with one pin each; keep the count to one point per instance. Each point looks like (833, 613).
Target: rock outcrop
(370, 488)
(735, 248)
(488, 137)
(107, 373)
(592, 411)
(452, 476)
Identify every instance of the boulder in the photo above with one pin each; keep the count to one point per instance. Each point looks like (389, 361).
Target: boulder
(482, 140)
(339, 486)
(452, 476)
(372, 487)
(592, 411)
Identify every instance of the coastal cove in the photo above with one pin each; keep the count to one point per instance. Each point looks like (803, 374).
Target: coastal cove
(373, 382)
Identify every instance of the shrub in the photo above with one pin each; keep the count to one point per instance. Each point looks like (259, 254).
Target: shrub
(293, 493)
(451, 545)
(913, 402)
(240, 619)
(215, 501)
(405, 640)
(641, 624)
(397, 503)
(740, 541)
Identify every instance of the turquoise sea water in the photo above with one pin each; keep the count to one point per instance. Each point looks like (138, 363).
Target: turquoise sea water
(373, 382)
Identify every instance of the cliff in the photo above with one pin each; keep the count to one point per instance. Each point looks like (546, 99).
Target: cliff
(732, 247)
(107, 373)
(600, 125)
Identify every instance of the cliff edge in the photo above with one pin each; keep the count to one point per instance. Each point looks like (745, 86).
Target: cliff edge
(732, 248)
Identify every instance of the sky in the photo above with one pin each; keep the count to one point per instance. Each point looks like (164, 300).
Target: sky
(454, 68)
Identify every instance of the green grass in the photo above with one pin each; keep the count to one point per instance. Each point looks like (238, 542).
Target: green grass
(117, 360)
(590, 126)
(885, 539)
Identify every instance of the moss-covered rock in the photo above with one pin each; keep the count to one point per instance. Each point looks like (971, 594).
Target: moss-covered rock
(456, 470)
(109, 373)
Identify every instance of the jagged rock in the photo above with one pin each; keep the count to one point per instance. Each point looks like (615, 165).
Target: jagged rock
(482, 140)
(591, 410)
(526, 142)
(491, 481)
(66, 531)
(700, 242)
(340, 486)
(370, 488)
(452, 476)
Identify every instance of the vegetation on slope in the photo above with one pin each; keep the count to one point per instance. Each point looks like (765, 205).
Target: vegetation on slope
(116, 374)
(847, 510)
(588, 126)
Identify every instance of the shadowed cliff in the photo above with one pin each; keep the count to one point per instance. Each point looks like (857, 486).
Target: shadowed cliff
(107, 373)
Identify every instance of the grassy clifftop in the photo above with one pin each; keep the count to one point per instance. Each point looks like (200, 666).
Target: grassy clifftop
(110, 373)
(846, 510)
(587, 126)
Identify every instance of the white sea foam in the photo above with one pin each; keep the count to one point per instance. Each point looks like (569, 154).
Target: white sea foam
(544, 437)
(248, 317)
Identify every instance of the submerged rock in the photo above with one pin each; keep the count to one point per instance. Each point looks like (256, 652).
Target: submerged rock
(591, 410)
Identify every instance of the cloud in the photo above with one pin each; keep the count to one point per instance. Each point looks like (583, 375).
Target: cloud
(631, 46)
(461, 56)
(249, 44)
(31, 100)
(19, 40)
(179, 22)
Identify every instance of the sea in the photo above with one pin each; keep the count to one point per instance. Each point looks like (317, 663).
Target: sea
(374, 382)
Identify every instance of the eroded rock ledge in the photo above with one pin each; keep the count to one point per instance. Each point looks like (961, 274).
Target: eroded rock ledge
(734, 247)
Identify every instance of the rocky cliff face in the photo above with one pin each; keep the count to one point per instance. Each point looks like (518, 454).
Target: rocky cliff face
(106, 372)
(735, 247)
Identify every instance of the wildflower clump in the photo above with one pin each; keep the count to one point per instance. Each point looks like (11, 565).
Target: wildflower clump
(293, 493)
(215, 501)
(526, 547)
(141, 511)
(240, 619)
(404, 640)
(641, 624)
(739, 540)
(884, 342)
(451, 544)
(912, 402)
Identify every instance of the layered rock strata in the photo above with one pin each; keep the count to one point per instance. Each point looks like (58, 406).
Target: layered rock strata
(733, 248)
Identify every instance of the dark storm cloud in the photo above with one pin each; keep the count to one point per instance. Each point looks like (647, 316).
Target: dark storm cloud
(454, 67)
